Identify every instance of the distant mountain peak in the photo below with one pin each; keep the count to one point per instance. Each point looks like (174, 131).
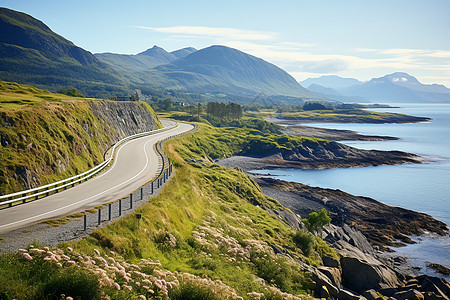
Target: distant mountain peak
(401, 77)
(154, 50)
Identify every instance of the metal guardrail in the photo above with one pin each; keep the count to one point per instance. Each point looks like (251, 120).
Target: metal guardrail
(35, 193)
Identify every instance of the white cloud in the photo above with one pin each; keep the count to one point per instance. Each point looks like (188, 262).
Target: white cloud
(214, 32)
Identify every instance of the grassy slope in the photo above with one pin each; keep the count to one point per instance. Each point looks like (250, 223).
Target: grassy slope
(208, 221)
(205, 207)
(343, 116)
(46, 134)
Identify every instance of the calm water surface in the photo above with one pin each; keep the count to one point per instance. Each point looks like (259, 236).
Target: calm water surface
(421, 187)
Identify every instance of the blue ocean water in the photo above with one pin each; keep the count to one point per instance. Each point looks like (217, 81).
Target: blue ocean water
(420, 187)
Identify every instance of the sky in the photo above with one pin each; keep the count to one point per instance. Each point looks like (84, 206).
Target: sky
(360, 39)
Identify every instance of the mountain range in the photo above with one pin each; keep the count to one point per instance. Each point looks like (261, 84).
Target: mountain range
(391, 88)
(30, 52)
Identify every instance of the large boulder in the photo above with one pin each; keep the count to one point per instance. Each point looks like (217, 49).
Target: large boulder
(360, 275)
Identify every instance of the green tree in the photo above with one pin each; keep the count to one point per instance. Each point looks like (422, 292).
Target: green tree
(316, 221)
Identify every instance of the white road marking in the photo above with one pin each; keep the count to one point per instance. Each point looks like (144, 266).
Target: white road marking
(81, 201)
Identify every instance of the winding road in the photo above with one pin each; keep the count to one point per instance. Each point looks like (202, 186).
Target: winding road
(135, 163)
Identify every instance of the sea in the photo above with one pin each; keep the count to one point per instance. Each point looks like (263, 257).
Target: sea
(419, 187)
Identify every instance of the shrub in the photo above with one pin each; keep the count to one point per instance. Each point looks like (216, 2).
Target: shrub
(304, 241)
(316, 220)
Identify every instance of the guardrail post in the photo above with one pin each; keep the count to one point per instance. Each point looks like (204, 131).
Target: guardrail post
(131, 200)
(120, 207)
(99, 216)
(142, 192)
(84, 222)
(109, 212)
(152, 186)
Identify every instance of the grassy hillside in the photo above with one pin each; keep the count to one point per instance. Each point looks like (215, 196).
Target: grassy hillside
(208, 235)
(354, 115)
(46, 137)
(32, 53)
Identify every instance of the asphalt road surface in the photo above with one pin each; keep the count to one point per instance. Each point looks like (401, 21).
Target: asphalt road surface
(135, 163)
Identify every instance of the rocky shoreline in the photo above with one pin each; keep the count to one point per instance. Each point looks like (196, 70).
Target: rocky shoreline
(383, 225)
(362, 229)
(343, 118)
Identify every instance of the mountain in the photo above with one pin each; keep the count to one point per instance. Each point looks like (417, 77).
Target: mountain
(335, 95)
(220, 69)
(30, 52)
(330, 81)
(148, 59)
(399, 87)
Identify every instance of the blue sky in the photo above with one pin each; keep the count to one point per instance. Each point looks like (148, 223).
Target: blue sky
(360, 39)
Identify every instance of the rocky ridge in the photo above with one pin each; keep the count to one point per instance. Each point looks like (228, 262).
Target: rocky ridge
(362, 271)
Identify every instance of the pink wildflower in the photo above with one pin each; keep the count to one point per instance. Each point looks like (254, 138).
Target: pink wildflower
(69, 249)
(23, 250)
(27, 256)
(47, 258)
(127, 287)
(117, 286)
(97, 252)
(47, 248)
(142, 297)
(59, 265)
(69, 298)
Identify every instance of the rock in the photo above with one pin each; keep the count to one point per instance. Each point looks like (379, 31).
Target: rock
(371, 295)
(439, 268)
(290, 218)
(408, 295)
(360, 275)
(436, 286)
(347, 295)
(322, 280)
(387, 291)
(440, 283)
(330, 262)
(432, 296)
(334, 274)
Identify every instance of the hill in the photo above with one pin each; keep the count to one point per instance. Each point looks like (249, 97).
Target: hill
(46, 136)
(399, 87)
(30, 52)
(220, 69)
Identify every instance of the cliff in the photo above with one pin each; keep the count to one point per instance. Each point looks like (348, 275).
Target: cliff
(46, 137)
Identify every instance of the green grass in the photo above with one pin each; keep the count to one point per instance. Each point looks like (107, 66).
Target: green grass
(47, 137)
(354, 115)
